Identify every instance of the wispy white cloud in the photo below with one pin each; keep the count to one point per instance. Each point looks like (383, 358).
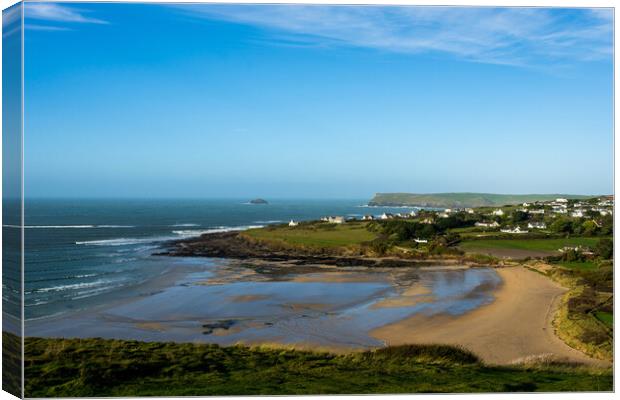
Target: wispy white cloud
(10, 20)
(11, 15)
(513, 36)
(36, 27)
(58, 13)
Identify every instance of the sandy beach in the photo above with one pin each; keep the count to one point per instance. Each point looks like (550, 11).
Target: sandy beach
(517, 324)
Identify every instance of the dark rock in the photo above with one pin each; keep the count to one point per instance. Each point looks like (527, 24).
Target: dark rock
(258, 201)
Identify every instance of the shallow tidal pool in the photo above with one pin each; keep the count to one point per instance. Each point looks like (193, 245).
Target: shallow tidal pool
(225, 302)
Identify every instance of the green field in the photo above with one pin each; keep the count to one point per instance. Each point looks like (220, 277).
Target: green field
(579, 265)
(315, 234)
(605, 317)
(550, 245)
(97, 367)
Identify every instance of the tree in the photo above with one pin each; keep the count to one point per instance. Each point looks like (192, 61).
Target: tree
(571, 255)
(562, 225)
(607, 225)
(589, 228)
(605, 248)
(452, 238)
(519, 216)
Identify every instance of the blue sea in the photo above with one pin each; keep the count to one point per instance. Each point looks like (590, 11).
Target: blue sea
(85, 253)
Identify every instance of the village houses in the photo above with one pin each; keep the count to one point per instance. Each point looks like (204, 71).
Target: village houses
(493, 224)
(515, 230)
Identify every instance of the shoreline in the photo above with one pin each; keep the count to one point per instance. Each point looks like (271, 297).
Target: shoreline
(499, 333)
(502, 332)
(233, 246)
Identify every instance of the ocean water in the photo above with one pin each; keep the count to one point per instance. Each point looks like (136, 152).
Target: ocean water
(87, 253)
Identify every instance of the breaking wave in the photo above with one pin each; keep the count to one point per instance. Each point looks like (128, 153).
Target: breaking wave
(68, 226)
(179, 234)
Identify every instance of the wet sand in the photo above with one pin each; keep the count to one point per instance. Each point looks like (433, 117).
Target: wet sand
(317, 306)
(407, 298)
(516, 325)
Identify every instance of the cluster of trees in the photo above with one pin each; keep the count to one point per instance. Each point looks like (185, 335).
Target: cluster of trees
(403, 230)
(519, 216)
(458, 220)
(439, 240)
(583, 227)
(604, 249)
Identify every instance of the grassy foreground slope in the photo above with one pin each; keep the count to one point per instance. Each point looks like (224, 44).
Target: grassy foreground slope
(462, 199)
(97, 367)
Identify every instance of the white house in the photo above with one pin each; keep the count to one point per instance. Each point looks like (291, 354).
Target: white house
(293, 223)
(386, 216)
(367, 218)
(581, 249)
(499, 212)
(578, 213)
(515, 230)
(559, 210)
(413, 214)
(443, 215)
(493, 224)
(427, 221)
(537, 225)
(560, 200)
(469, 210)
(537, 211)
(526, 204)
(336, 220)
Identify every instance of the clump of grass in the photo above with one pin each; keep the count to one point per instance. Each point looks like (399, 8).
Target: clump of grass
(11, 364)
(481, 258)
(431, 353)
(545, 360)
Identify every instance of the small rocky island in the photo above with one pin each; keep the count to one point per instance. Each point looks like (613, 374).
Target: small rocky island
(258, 201)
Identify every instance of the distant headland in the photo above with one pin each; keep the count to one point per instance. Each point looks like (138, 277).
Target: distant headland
(454, 200)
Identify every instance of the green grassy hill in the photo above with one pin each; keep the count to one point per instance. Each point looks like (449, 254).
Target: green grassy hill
(105, 368)
(315, 234)
(462, 199)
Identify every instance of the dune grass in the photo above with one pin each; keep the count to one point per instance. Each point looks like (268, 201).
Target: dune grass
(315, 234)
(97, 367)
(11, 364)
(582, 320)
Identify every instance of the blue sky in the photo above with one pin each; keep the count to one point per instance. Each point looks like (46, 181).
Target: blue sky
(146, 100)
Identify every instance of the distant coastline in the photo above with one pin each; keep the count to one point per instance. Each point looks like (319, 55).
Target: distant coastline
(466, 199)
